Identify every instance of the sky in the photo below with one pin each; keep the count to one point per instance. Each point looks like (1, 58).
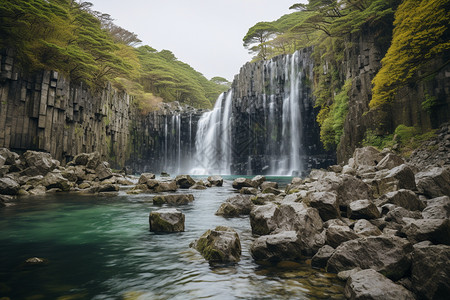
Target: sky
(206, 34)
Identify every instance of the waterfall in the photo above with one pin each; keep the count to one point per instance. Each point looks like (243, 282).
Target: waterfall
(213, 139)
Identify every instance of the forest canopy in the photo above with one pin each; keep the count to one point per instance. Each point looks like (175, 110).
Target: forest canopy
(70, 37)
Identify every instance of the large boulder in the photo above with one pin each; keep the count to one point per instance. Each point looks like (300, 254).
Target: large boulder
(8, 156)
(249, 191)
(434, 230)
(430, 271)
(365, 228)
(363, 209)
(367, 156)
(103, 171)
(38, 163)
(165, 186)
(268, 185)
(434, 182)
(437, 208)
(221, 245)
(326, 203)
(56, 180)
(184, 181)
(175, 199)
(350, 189)
(264, 218)
(404, 198)
(90, 160)
(336, 235)
(404, 176)
(235, 206)
(9, 186)
(390, 161)
(241, 182)
(320, 259)
(145, 177)
(258, 180)
(277, 247)
(166, 220)
(388, 255)
(215, 180)
(371, 285)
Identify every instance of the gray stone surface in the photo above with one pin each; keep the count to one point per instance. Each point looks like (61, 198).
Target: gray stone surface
(166, 220)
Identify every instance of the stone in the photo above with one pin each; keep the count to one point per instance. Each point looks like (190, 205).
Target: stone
(166, 220)
(40, 162)
(5, 200)
(198, 187)
(261, 199)
(84, 185)
(363, 209)
(35, 261)
(434, 230)
(347, 170)
(367, 156)
(264, 218)
(103, 188)
(430, 271)
(390, 161)
(437, 208)
(215, 180)
(221, 245)
(9, 186)
(258, 180)
(399, 213)
(320, 259)
(235, 206)
(56, 180)
(405, 177)
(434, 182)
(90, 160)
(268, 184)
(103, 171)
(364, 228)
(404, 198)
(281, 246)
(336, 235)
(344, 275)
(38, 190)
(241, 182)
(184, 181)
(170, 186)
(350, 189)
(174, 199)
(326, 203)
(145, 177)
(369, 284)
(249, 191)
(388, 255)
(164, 174)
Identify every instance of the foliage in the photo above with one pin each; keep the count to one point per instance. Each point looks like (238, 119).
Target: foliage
(378, 141)
(429, 103)
(421, 33)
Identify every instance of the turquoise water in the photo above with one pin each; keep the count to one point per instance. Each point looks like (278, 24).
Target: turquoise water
(101, 248)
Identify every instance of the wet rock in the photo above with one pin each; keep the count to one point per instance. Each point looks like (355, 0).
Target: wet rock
(198, 187)
(434, 230)
(336, 235)
(170, 186)
(385, 254)
(184, 181)
(258, 180)
(103, 188)
(249, 191)
(367, 156)
(145, 177)
(235, 206)
(175, 199)
(35, 261)
(9, 186)
(164, 174)
(437, 208)
(320, 259)
(326, 203)
(365, 228)
(6, 200)
(434, 182)
(166, 220)
(221, 245)
(363, 209)
(404, 198)
(239, 183)
(261, 199)
(369, 284)
(215, 180)
(38, 190)
(277, 247)
(103, 171)
(264, 218)
(430, 271)
(56, 180)
(390, 161)
(38, 163)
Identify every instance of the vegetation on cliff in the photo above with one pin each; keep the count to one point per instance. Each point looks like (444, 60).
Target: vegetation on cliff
(85, 45)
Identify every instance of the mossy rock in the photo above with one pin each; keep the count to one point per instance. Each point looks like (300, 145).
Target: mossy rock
(221, 245)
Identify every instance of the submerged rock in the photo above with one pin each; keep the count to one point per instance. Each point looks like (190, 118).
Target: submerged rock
(215, 180)
(9, 186)
(235, 206)
(166, 220)
(175, 199)
(285, 245)
(184, 181)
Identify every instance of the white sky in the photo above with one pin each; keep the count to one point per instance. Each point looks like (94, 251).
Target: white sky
(206, 34)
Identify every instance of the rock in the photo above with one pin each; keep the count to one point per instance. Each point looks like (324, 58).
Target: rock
(198, 187)
(405, 177)
(38, 190)
(362, 209)
(437, 208)
(430, 271)
(56, 180)
(258, 180)
(103, 171)
(344, 275)
(39, 163)
(184, 181)
(347, 170)
(239, 183)
(166, 220)
(164, 174)
(221, 245)
(390, 161)
(235, 206)
(84, 185)
(350, 189)
(9, 156)
(215, 180)
(385, 254)
(261, 199)
(170, 186)
(326, 203)
(398, 213)
(277, 247)
(35, 261)
(145, 177)
(336, 235)
(365, 228)
(320, 259)
(434, 182)
(90, 160)
(434, 230)
(249, 191)
(9, 186)
(369, 284)
(5, 200)
(404, 198)
(107, 188)
(272, 191)
(264, 218)
(124, 181)
(175, 199)
(367, 156)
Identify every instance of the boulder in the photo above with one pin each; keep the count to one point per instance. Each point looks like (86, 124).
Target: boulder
(261, 199)
(56, 180)
(39, 163)
(184, 181)
(164, 174)
(430, 271)
(5, 200)
(146, 177)
(198, 186)
(9, 156)
(388, 255)
(167, 186)
(437, 208)
(371, 285)
(215, 180)
(347, 170)
(268, 184)
(258, 180)
(282, 246)
(320, 259)
(434, 182)
(9, 186)
(336, 235)
(235, 206)
(398, 213)
(326, 203)
(264, 218)
(404, 198)
(434, 230)
(350, 189)
(363, 209)
(175, 199)
(103, 171)
(38, 190)
(90, 160)
(404, 176)
(104, 188)
(390, 161)
(249, 191)
(221, 245)
(367, 156)
(365, 228)
(166, 220)
(272, 191)
(241, 182)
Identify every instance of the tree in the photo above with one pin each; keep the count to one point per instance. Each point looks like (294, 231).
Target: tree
(259, 34)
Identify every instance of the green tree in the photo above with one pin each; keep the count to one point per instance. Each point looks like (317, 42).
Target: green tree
(256, 38)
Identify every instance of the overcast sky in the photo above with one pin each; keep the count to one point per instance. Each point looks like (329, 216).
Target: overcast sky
(206, 34)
